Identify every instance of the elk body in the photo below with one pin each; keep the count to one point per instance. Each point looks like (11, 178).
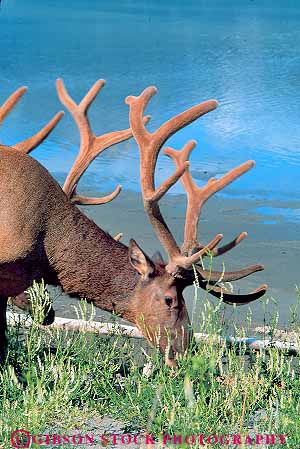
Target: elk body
(44, 235)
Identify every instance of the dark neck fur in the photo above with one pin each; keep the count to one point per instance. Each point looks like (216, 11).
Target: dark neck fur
(89, 262)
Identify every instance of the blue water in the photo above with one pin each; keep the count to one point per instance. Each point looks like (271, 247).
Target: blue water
(243, 53)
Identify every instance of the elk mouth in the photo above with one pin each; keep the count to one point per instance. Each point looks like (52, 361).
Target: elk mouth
(171, 363)
(175, 343)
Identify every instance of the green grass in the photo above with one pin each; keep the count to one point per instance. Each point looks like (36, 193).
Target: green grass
(55, 381)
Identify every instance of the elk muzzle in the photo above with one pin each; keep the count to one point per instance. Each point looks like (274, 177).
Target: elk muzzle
(172, 335)
(176, 338)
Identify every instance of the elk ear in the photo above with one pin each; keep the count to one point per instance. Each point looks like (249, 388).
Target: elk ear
(139, 260)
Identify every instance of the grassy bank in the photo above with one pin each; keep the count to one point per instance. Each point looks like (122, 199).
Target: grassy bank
(57, 382)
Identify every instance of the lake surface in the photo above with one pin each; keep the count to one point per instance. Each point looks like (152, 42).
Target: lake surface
(244, 53)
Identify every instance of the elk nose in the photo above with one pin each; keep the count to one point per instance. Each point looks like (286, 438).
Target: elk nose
(171, 299)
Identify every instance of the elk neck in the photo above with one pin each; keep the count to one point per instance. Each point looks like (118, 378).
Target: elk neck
(88, 262)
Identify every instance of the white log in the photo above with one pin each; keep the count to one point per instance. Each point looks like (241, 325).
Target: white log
(14, 319)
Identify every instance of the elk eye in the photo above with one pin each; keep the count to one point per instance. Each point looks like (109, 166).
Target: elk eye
(168, 300)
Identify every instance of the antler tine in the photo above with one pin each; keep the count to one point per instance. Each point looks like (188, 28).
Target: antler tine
(182, 262)
(90, 145)
(11, 102)
(118, 236)
(181, 120)
(227, 247)
(137, 106)
(228, 276)
(197, 197)
(149, 145)
(232, 298)
(32, 142)
(86, 200)
(230, 245)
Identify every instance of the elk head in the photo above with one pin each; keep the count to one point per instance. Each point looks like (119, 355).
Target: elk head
(158, 305)
(158, 302)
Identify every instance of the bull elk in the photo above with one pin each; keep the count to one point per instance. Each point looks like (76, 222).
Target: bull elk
(44, 235)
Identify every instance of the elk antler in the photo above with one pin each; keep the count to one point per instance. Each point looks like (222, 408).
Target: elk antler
(197, 197)
(150, 145)
(32, 142)
(10, 103)
(181, 261)
(90, 145)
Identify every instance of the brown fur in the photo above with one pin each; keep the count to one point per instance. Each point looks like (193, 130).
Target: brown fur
(43, 235)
